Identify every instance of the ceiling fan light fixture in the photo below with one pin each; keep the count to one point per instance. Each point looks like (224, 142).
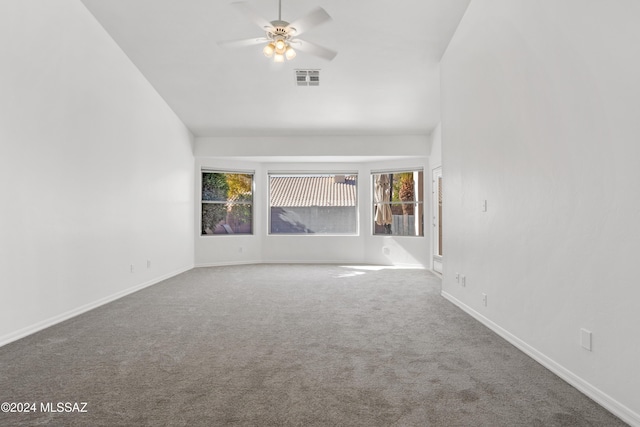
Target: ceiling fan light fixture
(290, 53)
(268, 50)
(281, 45)
(278, 57)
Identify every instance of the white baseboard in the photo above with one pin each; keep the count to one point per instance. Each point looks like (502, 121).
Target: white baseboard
(311, 261)
(606, 401)
(343, 262)
(32, 329)
(297, 261)
(224, 264)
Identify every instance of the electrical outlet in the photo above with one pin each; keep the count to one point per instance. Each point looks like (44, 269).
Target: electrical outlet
(131, 268)
(458, 277)
(240, 249)
(463, 280)
(484, 299)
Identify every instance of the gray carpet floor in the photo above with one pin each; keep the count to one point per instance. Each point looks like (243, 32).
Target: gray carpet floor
(285, 345)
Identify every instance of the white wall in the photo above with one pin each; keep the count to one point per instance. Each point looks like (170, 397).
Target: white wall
(540, 118)
(96, 172)
(314, 146)
(312, 153)
(435, 157)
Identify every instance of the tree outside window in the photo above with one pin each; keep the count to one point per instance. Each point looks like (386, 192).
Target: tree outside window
(227, 203)
(402, 197)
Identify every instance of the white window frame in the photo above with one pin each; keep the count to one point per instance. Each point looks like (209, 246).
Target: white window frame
(356, 208)
(419, 200)
(219, 202)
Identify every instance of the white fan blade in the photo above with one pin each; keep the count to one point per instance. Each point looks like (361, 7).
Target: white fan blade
(313, 49)
(232, 44)
(314, 18)
(252, 15)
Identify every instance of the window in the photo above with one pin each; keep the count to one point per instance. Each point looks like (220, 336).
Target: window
(313, 203)
(398, 203)
(227, 203)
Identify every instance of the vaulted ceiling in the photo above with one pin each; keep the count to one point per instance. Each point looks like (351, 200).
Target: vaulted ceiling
(385, 79)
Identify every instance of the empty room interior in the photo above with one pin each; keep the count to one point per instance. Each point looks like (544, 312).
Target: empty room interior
(319, 212)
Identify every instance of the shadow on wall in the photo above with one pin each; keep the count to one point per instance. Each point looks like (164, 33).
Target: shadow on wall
(287, 222)
(314, 219)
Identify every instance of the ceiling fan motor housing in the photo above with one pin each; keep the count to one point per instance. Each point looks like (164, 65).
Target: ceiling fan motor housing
(280, 29)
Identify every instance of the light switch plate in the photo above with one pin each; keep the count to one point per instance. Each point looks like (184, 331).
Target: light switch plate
(585, 339)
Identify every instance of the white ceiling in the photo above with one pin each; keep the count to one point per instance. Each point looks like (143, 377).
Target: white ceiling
(385, 79)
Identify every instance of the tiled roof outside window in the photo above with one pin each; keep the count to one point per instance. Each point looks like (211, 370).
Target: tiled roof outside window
(299, 191)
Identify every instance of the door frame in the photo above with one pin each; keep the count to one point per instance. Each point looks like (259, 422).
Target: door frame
(436, 223)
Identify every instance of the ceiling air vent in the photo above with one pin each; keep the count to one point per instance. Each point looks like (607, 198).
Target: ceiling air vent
(308, 77)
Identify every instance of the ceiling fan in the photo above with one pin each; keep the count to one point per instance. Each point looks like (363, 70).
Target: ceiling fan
(281, 36)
